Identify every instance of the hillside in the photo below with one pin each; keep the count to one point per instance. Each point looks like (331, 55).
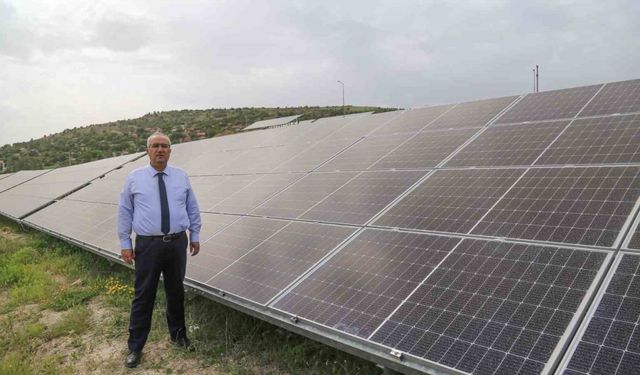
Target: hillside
(84, 144)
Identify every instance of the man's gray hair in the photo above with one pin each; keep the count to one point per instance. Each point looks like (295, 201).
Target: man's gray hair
(156, 134)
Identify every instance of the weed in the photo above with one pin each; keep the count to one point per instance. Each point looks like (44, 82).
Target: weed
(75, 322)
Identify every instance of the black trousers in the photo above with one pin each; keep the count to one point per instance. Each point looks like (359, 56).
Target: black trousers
(154, 257)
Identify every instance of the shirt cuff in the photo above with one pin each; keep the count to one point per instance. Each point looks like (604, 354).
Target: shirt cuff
(126, 244)
(195, 236)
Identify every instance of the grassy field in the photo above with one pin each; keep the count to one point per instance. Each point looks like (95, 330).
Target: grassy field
(64, 310)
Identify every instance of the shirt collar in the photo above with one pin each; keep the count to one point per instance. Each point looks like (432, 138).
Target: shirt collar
(153, 171)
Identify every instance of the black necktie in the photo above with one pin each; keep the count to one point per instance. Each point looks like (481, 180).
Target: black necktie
(164, 205)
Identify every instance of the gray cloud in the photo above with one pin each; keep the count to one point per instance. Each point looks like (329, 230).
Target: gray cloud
(107, 60)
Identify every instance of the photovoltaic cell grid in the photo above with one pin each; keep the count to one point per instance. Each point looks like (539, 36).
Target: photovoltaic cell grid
(366, 152)
(471, 114)
(611, 342)
(92, 223)
(255, 193)
(225, 247)
(41, 190)
(364, 282)
(450, 200)
(278, 261)
(549, 105)
(508, 145)
(587, 206)
(18, 178)
(304, 194)
(316, 154)
(361, 126)
(427, 149)
(412, 120)
(363, 197)
(614, 139)
(616, 97)
(494, 307)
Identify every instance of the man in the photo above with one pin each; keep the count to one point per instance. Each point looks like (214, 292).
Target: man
(158, 203)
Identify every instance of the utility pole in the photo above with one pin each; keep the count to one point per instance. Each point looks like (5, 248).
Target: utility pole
(537, 82)
(342, 83)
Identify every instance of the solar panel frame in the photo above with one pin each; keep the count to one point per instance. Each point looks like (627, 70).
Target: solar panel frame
(588, 336)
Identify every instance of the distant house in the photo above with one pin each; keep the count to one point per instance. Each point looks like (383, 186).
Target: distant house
(3, 166)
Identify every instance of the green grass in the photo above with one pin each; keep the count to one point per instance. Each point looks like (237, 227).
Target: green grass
(42, 275)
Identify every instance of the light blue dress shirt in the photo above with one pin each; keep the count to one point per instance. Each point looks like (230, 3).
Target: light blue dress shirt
(139, 207)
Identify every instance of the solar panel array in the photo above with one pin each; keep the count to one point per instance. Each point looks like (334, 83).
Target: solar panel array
(470, 238)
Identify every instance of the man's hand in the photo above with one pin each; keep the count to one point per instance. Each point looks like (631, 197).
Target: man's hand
(195, 248)
(128, 255)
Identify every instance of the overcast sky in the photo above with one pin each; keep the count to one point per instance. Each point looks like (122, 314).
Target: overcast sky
(75, 62)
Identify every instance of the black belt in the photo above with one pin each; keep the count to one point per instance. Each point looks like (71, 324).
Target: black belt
(164, 238)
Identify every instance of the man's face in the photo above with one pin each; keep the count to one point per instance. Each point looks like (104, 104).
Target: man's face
(159, 151)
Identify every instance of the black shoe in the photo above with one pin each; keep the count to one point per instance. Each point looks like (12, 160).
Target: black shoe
(133, 359)
(184, 343)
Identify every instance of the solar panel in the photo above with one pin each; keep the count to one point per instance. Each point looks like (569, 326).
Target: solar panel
(616, 97)
(107, 189)
(587, 206)
(494, 307)
(450, 200)
(472, 114)
(226, 246)
(315, 155)
(412, 120)
(610, 342)
(41, 190)
(364, 282)
(259, 160)
(634, 240)
(278, 261)
(614, 139)
(360, 199)
(358, 212)
(366, 152)
(253, 194)
(427, 149)
(272, 122)
(18, 178)
(212, 190)
(304, 194)
(508, 145)
(549, 105)
(363, 125)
